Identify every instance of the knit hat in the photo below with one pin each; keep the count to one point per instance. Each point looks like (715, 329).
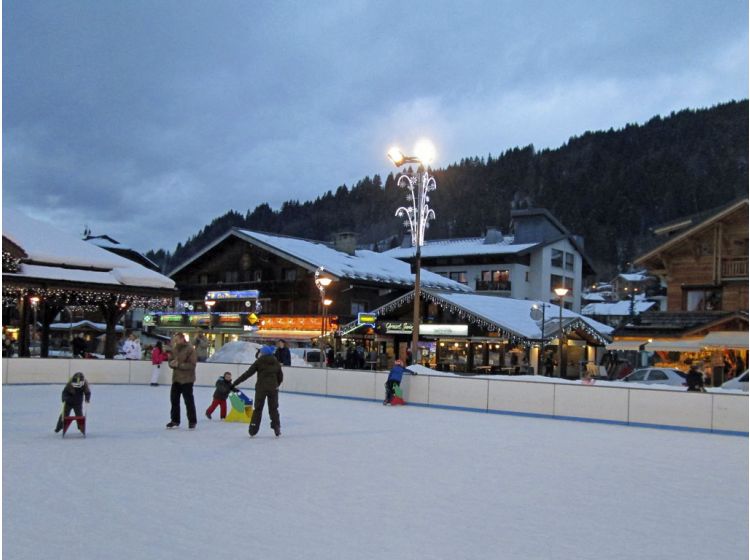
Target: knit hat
(267, 350)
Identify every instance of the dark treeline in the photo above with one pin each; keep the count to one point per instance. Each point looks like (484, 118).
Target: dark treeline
(609, 187)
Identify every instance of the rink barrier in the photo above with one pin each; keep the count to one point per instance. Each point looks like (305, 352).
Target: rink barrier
(653, 408)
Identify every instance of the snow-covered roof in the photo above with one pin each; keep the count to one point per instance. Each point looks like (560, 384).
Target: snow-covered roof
(593, 297)
(514, 315)
(462, 247)
(102, 327)
(56, 255)
(362, 266)
(617, 309)
(634, 276)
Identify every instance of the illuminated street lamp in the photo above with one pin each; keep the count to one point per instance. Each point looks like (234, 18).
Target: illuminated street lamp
(418, 214)
(322, 281)
(561, 293)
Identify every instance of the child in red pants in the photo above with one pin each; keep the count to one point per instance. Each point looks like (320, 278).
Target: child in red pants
(223, 388)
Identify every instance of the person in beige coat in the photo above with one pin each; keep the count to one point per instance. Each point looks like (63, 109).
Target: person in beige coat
(182, 362)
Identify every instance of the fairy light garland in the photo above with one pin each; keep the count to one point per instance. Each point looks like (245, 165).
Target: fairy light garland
(10, 263)
(85, 299)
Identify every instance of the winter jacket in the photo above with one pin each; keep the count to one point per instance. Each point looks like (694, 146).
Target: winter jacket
(694, 379)
(284, 356)
(223, 388)
(183, 363)
(74, 397)
(269, 373)
(158, 356)
(396, 373)
(132, 350)
(201, 347)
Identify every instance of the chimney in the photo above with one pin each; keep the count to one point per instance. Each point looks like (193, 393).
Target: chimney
(345, 241)
(494, 235)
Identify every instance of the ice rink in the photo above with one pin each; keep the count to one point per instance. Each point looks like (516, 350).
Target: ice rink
(353, 479)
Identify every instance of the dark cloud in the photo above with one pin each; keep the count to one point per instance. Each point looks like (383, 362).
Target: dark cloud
(145, 120)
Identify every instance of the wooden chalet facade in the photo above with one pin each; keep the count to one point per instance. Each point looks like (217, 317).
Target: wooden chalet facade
(703, 260)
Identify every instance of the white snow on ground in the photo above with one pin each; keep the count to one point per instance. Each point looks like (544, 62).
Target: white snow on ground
(243, 352)
(355, 479)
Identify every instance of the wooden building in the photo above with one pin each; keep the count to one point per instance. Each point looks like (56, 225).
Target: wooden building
(703, 259)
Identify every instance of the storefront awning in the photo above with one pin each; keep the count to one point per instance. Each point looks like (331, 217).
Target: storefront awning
(298, 336)
(727, 339)
(626, 344)
(675, 345)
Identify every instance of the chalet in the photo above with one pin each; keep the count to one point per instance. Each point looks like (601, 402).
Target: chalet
(263, 286)
(537, 256)
(46, 271)
(702, 260)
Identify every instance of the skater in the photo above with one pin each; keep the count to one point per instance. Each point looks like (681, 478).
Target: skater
(223, 388)
(158, 357)
(183, 376)
(270, 376)
(694, 379)
(132, 348)
(283, 354)
(394, 379)
(73, 395)
(201, 347)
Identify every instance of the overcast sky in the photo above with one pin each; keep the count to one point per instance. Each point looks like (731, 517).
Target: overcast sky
(147, 119)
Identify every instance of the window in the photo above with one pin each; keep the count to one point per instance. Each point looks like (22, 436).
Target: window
(290, 274)
(231, 276)
(458, 276)
(638, 375)
(569, 261)
(569, 284)
(204, 279)
(495, 275)
(359, 307)
(257, 276)
(555, 281)
(557, 258)
(657, 375)
(527, 275)
(702, 300)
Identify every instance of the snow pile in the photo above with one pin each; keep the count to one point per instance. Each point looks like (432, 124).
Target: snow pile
(242, 352)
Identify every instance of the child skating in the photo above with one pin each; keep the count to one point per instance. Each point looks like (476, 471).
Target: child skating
(73, 395)
(223, 388)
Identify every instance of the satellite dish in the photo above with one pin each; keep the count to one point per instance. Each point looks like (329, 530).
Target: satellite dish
(535, 313)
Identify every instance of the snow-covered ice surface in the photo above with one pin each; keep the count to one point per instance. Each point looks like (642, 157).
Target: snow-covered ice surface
(355, 479)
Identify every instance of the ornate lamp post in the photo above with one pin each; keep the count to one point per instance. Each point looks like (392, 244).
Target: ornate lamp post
(322, 281)
(418, 215)
(210, 305)
(561, 293)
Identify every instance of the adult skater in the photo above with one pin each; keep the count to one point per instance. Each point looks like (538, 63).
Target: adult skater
(270, 376)
(183, 377)
(283, 354)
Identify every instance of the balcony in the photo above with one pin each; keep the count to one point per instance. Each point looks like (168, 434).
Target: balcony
(485, 286)
(734, 267)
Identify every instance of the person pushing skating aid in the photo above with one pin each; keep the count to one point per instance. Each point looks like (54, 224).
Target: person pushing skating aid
(270, 376)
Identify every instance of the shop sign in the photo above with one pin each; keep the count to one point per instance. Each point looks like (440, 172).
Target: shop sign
(199, 319)
(444, 330)
(170, 319)
(398, 327)
(149, 320)
(234, 294)
(366, 318)
(230, 319)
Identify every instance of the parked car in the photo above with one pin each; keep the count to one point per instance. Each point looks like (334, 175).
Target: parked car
(651, 376)
(739, 382)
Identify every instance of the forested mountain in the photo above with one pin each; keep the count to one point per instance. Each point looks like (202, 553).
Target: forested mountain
(609, 187)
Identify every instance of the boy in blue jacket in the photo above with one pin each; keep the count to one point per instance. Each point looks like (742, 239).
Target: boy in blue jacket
(394, 379)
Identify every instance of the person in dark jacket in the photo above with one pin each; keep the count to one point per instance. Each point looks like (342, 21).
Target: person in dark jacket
(283, 354)
(73, 395)
(394, 379)
(694, 379)
(270, 376)
(223, 388)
